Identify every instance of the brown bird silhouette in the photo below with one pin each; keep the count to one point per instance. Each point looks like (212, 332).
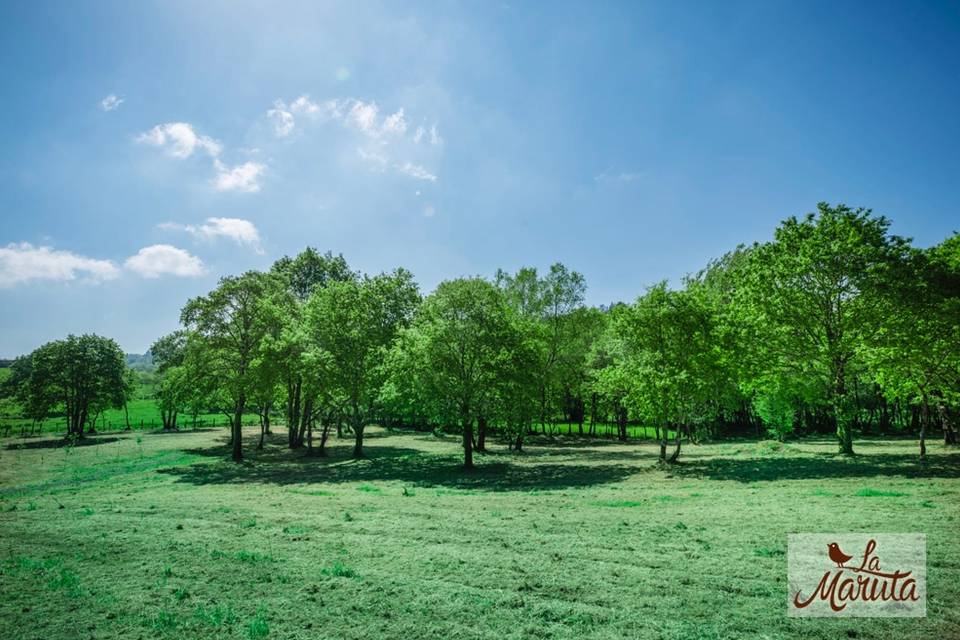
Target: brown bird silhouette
(833, 550)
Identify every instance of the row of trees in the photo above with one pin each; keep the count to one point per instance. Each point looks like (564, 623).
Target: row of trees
(833, 325)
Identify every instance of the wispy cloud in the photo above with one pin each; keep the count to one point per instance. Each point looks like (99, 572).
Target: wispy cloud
(283, 122)
(608, 176)
(242, 177)
(385, 139)
(415, 171)
(180, 140)
(111, 102)
(164, 259)
(243, 232)
(23, 262)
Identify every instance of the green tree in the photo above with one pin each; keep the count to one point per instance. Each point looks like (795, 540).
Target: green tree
(915, 356)
(299, 277)
(352, 323)
(553, 302)
(464, 347)
(812, 296)
(228, 327)
(670, 364)
(173, 389)
(79, 375)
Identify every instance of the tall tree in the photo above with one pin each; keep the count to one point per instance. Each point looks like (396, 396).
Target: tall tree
(352, 323)
(812, 294)
(553, 302)
(299, 277)
(228, 327)
(169, 353)
(80, 375)
(915, 356)
(464, 347)
(670, 361)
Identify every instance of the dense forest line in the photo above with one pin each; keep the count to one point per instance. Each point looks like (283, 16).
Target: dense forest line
(833, 326)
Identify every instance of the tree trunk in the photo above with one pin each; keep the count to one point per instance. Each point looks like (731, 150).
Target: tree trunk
(841, 418)
(293, 414)
(924, 422)
(358, 438)
(676, 451)
(949, 433)
(324, 433)
(237, 429)
(518, 443)
(263, 432)
(481, 434)
(467, 442)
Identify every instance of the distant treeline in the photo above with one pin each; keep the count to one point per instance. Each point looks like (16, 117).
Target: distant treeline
(833, 326)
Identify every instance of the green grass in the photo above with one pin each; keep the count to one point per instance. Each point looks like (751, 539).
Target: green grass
(576, 538)
(869, 492)
(144, 414)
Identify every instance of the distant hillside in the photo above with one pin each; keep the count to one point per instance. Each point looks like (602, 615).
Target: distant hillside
(140, 362)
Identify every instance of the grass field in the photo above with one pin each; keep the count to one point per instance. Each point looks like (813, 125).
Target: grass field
(149, 535)
(143, 413)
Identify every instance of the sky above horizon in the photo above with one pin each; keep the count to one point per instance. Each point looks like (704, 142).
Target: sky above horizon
(153, 147)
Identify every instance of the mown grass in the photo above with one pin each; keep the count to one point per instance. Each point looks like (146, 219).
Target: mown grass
(158, 536)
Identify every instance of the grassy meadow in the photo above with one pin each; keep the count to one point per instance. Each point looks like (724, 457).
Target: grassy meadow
(154, 535)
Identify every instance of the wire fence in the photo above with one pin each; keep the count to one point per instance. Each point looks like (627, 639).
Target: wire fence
(23, 427)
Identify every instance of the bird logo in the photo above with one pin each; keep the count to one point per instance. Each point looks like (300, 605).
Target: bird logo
(838, 556)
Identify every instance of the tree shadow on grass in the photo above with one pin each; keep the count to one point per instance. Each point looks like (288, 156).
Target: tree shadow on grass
(59, 443)
(822, 466)
(397, 464)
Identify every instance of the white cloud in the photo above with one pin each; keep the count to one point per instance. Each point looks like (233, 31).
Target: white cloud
(304, 105)
(163, 259)
(607, 177)
(180, 140)
(429, 211)
(242, 177)
(395, 123)
(415, 171)
(111, 102)
(434, 138)
(241, 231)
(283, 122)
(24, 262)
(385, 139)
(375, 158)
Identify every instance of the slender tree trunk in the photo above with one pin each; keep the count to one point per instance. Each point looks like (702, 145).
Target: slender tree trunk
(237, 428)
(481, 433)
(358, 435)
(949, 433)
(676, 451)
(840, 412)
(468, 442)
(924, 422)
(293, 415)
(324, 434)
(263, 432)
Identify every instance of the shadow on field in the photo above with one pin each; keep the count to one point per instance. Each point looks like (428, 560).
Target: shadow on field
(59, 443)
(494, 472)
(822, 466)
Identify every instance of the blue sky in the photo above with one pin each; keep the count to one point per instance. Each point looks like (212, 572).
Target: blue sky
(632, 141)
